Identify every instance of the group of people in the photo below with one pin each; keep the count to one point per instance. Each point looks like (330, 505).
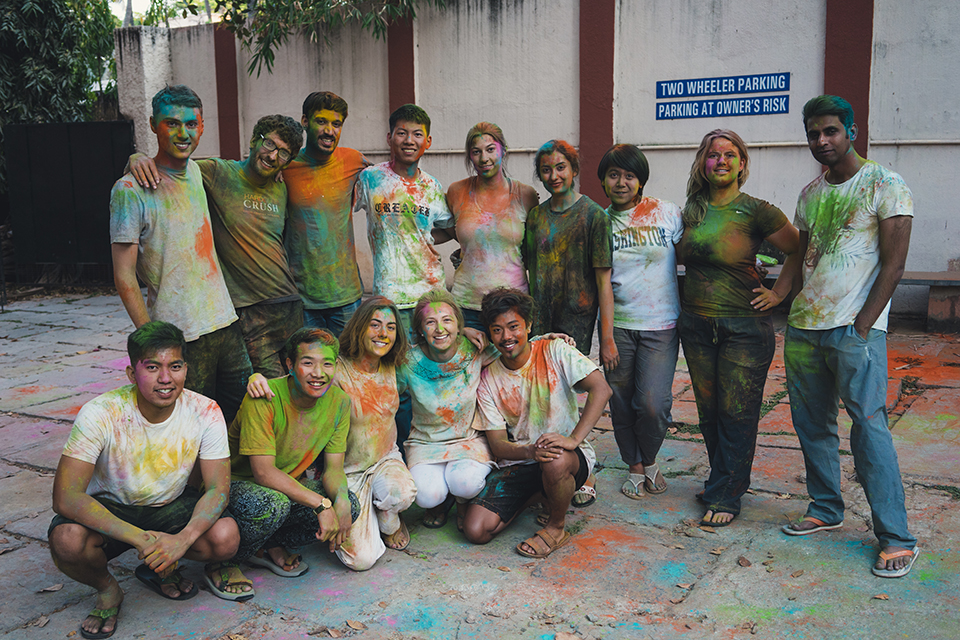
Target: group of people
(256, 365)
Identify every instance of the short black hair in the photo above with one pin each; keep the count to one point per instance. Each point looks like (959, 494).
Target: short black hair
(289, 130)
(410, 113)
(320, 100)
(309, 335)
(501, 300)
(629, 158)
(827, 105)
(179, 95)
(153, 337)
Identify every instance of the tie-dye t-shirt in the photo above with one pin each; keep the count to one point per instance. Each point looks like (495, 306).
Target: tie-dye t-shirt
(444, 396)
(489, 246)
(295, 437)
(374, 403)
(320, 240)
(139, 463)
(561, 251)
(177, 259)
(535, 399)
(644, 278)
(720, 255)
(400, 216)
(248, 221)
(843, 249)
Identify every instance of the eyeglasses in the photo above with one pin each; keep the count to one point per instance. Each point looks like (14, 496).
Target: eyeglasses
(282, 154)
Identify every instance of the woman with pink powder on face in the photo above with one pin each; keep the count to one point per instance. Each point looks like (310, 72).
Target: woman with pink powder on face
(490, 210)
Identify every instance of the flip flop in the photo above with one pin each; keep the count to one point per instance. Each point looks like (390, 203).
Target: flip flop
(542, 543)
(228, 578)
(896, 573)
(442, 520)
(706, 523)
(267, 562)
(403, 527)
(633, 487)
(149, 577)
(103, 614)
(650, 483)
(821, 526)
(581, 502)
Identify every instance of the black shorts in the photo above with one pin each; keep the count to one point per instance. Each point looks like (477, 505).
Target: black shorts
(509, 488)
(170, 518)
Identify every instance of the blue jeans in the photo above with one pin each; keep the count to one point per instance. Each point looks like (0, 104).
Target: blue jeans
(333, 319)
(728, 359)
(642, 387)
(837, 364)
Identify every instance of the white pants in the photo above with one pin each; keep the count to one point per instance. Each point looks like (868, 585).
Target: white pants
(384, 490)
(460, 478)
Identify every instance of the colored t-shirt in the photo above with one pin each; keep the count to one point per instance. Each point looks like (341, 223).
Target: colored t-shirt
(374, 403)
(843, 249)
(444, 397)
(320, 241)
(295, 437)
(176, 256)
(561, 251)
(535, 399)
(720, 255)
(142, 464)
(644, 277)
(401, 214)
(248, 221)
(489, 246)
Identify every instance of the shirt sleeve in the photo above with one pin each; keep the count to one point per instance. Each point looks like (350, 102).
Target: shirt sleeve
(209, 169)
(126, 212)
(675, 216)
(799, 221)
(88, 437)
(257, 435)
(442, 218)
(575, 365)
(769, 219)
(893, 198)
(601, 238)
(490, 418)
(213, 441)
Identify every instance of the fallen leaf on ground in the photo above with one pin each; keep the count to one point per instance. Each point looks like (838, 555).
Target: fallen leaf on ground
(685, 585)
(743, 562)
(769, 569)
(71, 634)
(80, 353)
(51, 588)
(676, 600)
(863, 529)
(504, 568)
(353, 624)
(334, 633)
(783, 496)
(563, 635)
(676, 546)
(549, 615)
(767, 563)
(797, 573)
(382, 605)
(234, 636)
(33, 515)
(672, 430)
(717, 551)
(7, 550)
(4, 541)
(41, 621)
(881, 596)
(707, 528)
(47, 475)
(751, 492)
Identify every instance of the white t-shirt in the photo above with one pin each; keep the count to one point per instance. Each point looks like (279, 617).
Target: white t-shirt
(644, 277)
(177, 259)
(400, 216)
(142, 464)
(843, 252)
(535, 399)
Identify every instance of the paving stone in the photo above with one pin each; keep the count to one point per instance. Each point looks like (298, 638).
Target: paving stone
(24, 494)
(778, 420)
(927, 436)
(34, 441)
(685, 412)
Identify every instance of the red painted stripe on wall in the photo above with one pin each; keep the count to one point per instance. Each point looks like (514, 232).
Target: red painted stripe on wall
(400, 63)
(597, 26)
(847, 60)
(228, 99)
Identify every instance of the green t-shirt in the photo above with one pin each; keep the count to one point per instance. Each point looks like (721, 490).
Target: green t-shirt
(296, 437)
(248, 222)
(561, 251)
(721, 256)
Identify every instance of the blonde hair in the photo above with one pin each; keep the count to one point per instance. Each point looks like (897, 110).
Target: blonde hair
(698, 188)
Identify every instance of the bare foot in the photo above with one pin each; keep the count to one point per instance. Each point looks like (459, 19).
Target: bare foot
(399, 539)
(111, 597)
(718, 518)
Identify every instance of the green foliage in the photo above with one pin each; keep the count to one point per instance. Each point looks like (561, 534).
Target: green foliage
(262, 26)
(53, 54)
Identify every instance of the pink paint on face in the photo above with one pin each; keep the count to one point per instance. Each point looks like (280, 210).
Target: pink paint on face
(486, 155)
(723, 164)
(556, 174)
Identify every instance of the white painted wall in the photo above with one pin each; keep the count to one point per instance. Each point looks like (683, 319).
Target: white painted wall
(191, 63)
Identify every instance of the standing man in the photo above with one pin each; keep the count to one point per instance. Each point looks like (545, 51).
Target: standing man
(249, 209)
(527, 405)
(854, 223)
(320, 240)
(165, 237)
(122, 484)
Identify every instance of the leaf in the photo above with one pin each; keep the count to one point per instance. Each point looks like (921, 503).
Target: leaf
(717, 551)
(783, 496)
(743, 562)
(685, 585)
(880, 596)
(676, 546)
(52, 588)
(504, 568)
(334, 633)
(382, 605)
(41, 621)
(7, 550)
(797, 573)
(4, 541)
(707, 528)
(676, 600)
(452, 592)
(353, 624)
(767, 563)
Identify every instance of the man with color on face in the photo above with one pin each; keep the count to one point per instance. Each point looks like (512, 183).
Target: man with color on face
(527, 405)
(122, 484)
(249, 207)
(272, 443)
(164, 236)
(854, 223)
(319, 239)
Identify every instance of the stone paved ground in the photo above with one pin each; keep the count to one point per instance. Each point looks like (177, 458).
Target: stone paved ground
(634, 569)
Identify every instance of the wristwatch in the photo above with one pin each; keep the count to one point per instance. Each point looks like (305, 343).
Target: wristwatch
(324, 505)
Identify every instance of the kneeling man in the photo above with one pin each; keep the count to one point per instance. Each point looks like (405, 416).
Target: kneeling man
(122, 482)
(527, 405)
(276, 436)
